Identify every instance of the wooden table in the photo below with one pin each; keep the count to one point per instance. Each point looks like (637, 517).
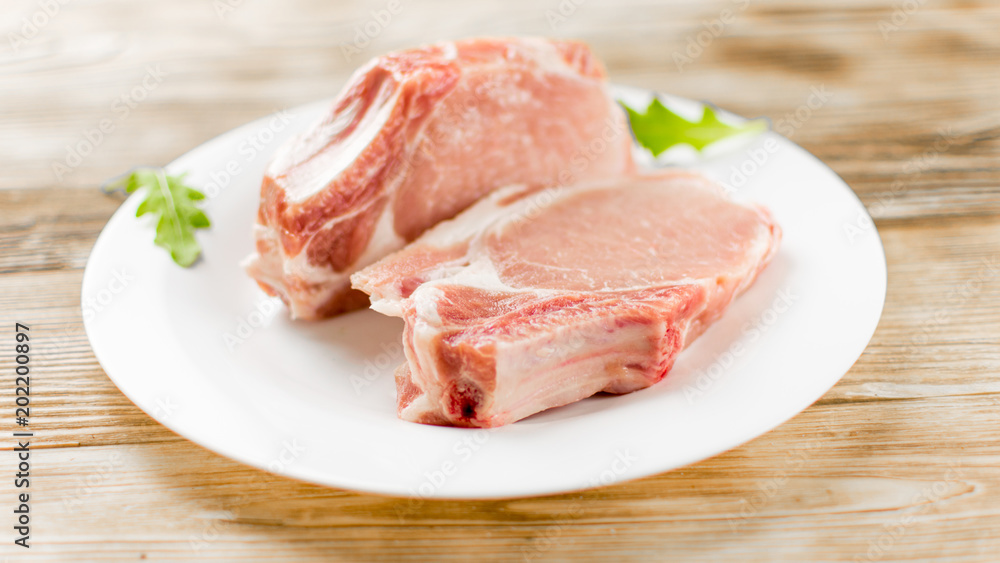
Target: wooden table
(901, 460)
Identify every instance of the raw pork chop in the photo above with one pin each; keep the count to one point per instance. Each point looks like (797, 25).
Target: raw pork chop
(527, 301)
(416, 137)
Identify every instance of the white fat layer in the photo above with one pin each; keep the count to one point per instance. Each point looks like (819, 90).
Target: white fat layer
(427, 308)
(384, 241)
(570, 363)
(448, 50)
(265, 268)
(275, 267)
(334, 162)
(387, 306)
(416, 410)
(422, 361)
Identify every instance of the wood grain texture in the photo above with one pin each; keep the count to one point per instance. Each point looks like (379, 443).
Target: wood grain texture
(900, 461)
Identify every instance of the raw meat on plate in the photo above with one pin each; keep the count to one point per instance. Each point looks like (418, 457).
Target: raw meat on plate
(414, 138)
(533, 299)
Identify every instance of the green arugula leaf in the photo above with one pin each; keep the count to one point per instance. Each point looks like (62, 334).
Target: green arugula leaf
(658, 128)
(179, 217)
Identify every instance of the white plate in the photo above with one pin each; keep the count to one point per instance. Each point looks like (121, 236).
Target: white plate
(205, 353)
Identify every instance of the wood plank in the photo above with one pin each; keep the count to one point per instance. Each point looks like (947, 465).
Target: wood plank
(795, 491)
(890, 97)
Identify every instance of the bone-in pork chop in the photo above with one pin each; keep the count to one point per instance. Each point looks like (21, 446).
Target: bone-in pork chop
(530, 301)
(414, 138)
